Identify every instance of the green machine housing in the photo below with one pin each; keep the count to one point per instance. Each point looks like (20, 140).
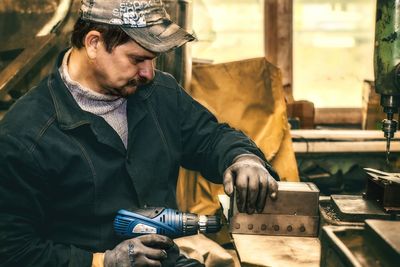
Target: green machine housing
(386, 63)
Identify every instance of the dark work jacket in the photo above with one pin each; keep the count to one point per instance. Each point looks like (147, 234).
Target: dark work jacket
(64, 172)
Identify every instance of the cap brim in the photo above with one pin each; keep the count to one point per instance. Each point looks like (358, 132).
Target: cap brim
(161, 37)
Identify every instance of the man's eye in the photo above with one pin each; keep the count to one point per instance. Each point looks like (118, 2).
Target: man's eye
(137, 60)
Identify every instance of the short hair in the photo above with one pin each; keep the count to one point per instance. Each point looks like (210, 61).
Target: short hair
(112, 35)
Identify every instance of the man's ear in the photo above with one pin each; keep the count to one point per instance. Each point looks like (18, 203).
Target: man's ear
(92, 43)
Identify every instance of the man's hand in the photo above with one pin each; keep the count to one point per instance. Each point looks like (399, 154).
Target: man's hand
(146, 250)
(253, 183)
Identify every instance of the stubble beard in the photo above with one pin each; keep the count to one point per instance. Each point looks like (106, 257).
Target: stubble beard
(129, 88)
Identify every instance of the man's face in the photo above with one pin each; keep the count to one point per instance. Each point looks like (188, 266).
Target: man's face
(124, 69)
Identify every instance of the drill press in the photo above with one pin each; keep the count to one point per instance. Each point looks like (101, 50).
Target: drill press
(354, 239)
(387, 64)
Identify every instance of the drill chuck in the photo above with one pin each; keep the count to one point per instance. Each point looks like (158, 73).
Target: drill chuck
(389, 127)
(190, 224)
(164, 221)
(209, 224)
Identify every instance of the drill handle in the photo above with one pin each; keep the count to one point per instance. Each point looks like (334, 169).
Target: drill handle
(149, 212)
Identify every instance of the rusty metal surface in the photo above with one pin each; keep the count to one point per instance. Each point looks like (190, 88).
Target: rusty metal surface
(355, 208)
(384, 236)
(295, 199)
(330, 216)
(294, 213)
(272, 224)
(380, 201)
(361, 246)
(337, 244)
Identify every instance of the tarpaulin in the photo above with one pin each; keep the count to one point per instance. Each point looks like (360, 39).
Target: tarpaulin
(249, 96)
(205, 250)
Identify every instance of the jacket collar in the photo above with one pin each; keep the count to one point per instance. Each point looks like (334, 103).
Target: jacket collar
(68, 112)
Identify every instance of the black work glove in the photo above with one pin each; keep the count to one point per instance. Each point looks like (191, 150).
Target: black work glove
(146, 250)
(172, 256)
(253, 183)
(187, 262)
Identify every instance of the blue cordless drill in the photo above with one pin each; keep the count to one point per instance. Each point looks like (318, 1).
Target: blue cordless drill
(163, 221)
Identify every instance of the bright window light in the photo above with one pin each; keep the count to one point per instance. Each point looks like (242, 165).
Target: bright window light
(228, 30)
(332, 51)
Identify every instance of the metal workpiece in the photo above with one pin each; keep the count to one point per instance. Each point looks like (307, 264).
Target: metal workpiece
(330, 215)
(375, 244)
(353, 208)
(294, 199)
(384, 189)
(271, 224)
(381, 200)
(293, 213)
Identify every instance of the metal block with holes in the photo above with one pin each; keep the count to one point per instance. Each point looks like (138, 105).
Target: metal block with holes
(293, 213)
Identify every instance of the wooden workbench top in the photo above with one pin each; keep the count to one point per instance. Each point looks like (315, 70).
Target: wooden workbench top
(277, 251)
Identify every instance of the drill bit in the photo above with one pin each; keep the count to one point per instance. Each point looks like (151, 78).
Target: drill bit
(389, 127)
(387, 150)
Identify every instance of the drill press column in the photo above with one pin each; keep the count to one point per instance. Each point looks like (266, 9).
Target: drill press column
(386, 63)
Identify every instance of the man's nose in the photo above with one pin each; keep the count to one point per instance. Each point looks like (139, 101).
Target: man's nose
(146, 69)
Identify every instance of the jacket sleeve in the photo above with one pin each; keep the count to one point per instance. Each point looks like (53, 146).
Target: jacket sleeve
(23, 213)
(209, 146)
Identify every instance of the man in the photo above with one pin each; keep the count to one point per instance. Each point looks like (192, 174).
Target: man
(106, 131)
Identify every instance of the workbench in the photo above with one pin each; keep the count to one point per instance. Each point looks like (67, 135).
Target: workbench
(277, 251)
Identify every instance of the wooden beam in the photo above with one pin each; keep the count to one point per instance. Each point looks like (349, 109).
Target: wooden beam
(25, 61)
(326, 116)
(278, 37)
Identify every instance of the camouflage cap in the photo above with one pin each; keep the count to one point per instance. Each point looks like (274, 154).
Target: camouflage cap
(145, 21)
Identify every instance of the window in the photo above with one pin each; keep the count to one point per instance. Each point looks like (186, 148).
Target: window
(332, 43)
(332, 50)
(228, 30)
